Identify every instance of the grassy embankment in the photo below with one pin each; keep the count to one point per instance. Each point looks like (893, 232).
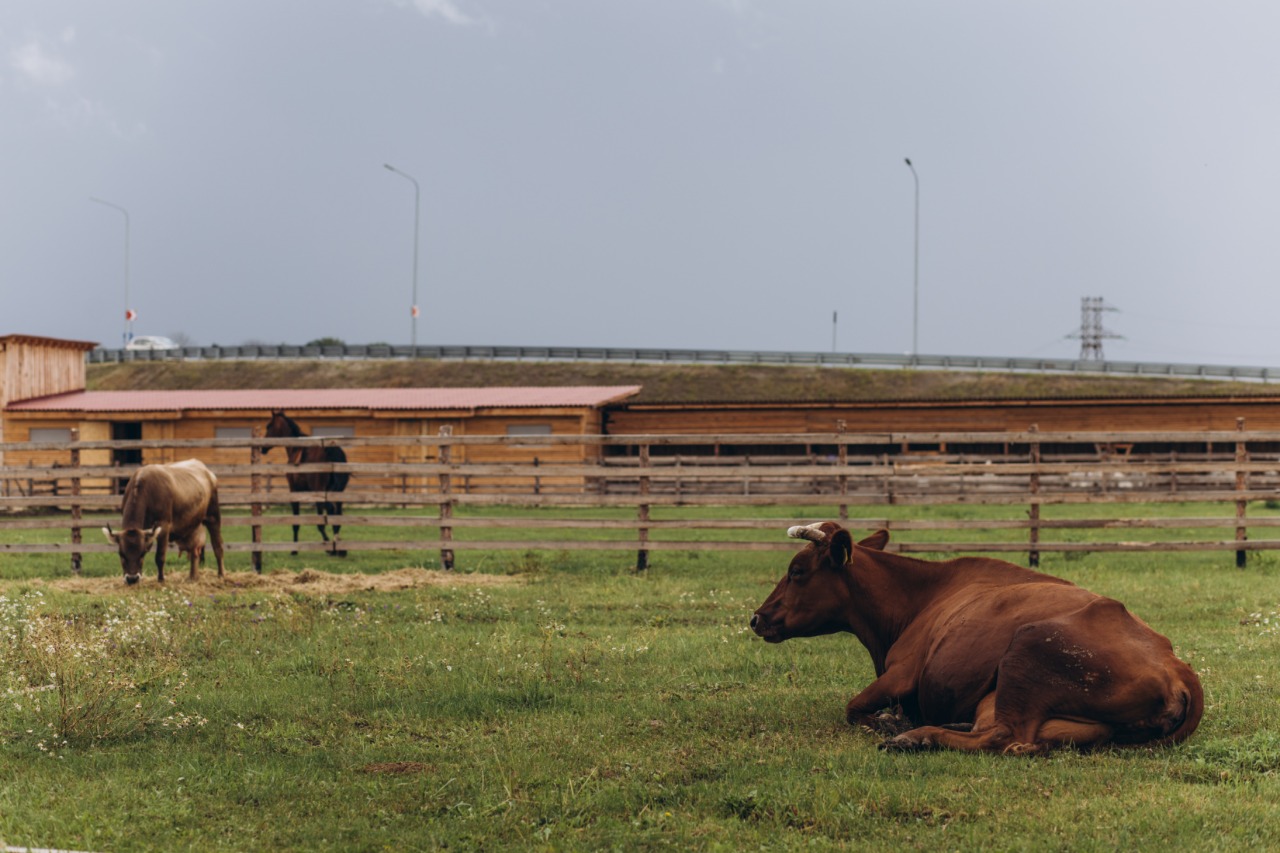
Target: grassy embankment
(562, 701)
(661, 383)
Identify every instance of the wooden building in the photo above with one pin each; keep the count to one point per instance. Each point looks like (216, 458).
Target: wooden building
(330, 413)
(1192, 415)
(43, 398)
(33, 366)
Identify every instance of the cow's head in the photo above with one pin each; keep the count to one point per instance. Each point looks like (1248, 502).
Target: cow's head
(813, 597)
(133, 545)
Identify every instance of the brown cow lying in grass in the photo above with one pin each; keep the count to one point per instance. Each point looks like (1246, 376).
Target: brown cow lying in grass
(982, 654)
(163, 504)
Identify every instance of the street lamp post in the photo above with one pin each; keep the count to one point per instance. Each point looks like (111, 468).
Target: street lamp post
(128, 312)
(915, 285)
(413, 311)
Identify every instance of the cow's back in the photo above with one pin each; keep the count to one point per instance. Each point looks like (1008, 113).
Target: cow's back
(176, 495)
(963, 639)
(194, 489)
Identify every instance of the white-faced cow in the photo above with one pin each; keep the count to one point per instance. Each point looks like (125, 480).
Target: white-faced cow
(981, 654)
(163, 504)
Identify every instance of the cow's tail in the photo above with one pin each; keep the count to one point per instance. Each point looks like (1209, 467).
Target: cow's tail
(1186, 709)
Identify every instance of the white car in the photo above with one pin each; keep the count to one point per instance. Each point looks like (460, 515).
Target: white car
(151, 342)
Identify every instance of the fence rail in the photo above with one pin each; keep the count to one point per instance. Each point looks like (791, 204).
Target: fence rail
(627, 478)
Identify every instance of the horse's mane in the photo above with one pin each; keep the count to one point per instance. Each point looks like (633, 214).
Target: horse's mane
(294, 429)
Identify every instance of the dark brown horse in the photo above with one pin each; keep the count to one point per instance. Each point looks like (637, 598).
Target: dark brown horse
(283, 426)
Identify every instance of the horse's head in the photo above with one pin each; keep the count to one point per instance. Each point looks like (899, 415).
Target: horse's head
(280, 426)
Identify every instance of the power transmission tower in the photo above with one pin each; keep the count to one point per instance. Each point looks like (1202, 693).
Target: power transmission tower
(1091, 333)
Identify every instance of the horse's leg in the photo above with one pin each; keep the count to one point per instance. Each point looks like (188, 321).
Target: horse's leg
(337, 510)
(296, 508)
(322, 508)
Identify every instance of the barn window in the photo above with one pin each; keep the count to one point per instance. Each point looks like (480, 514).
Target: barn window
(233, 432)
(528, 429)
(50, 434)
(334, 431)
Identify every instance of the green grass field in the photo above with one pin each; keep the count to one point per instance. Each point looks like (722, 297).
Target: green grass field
(561, 701)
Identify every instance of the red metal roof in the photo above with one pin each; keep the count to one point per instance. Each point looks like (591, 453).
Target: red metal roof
(328, 398)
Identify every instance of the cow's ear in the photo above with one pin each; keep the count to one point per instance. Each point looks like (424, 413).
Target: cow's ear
(150, 536)
(829, 528)
(112, 536)
(841, 548)
(876, 541)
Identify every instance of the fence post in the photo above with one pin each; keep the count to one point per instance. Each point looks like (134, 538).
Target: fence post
(255, 508)
(75, 504)
(889, 479)
(446, 502)
(842, 457)
(642, 556)
(1033, 555)
(679, 483)
(1242, 485)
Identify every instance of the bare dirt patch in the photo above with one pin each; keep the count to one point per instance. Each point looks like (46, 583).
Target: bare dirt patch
(306, 581)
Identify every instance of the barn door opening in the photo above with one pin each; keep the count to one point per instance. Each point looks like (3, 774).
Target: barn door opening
(125, 456)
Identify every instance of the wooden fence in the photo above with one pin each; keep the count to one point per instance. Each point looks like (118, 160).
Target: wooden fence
(649, 490)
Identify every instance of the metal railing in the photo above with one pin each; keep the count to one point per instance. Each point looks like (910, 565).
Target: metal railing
(697, 356)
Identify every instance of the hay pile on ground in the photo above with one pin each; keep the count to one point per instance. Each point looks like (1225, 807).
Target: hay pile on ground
(307, 581)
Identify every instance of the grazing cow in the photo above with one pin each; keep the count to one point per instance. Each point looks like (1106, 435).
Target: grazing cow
(981, 654)
(163, 504)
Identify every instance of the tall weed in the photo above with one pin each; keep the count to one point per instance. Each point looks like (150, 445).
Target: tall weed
(69, 679)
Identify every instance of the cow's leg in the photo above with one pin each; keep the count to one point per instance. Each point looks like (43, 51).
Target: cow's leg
(162, 544)
(987, 734)
(1057, 686)
(213, 524)
(1052, 689)
(337, 510)
(296, 510)
(1056, 732)
(998, 737)
(892, 688)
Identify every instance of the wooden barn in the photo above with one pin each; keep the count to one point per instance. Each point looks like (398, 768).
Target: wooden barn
(44, 398)
(1191, 415)
(330, 413)
(33, 366)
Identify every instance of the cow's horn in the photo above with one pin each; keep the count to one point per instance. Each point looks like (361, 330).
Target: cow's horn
(812, 532)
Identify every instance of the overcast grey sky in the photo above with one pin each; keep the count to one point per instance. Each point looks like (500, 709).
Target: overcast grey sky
(654, 173)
